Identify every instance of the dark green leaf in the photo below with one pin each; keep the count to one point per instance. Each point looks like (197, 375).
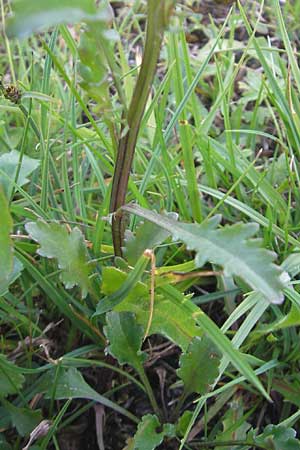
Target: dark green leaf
(125, 337)
(199, 365)
(230, 247)
(8, 169)
(71, 384)
(24, 419)
(11, 380)
(68, 248)
(4, 445)
(31, 15)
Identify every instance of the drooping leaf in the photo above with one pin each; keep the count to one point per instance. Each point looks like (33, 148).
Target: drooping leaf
(8, 169)
(230, 247)
(31, 15)
(169, 319)
(11, 380)
(199, 365)
(24, 419)
(148, 235)
(125, 337)
(147, 436)
(6, 245)
(71, 384)
(277, 437)
(68, 248)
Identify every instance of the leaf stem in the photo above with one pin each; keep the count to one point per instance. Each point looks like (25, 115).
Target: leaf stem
(149, 391)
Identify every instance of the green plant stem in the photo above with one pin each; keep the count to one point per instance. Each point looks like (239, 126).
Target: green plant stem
(149, 391)
(156, 24)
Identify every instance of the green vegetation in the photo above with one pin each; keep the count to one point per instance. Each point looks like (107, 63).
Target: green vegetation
(149, 227)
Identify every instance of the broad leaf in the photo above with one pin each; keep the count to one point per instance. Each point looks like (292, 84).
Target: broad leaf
(277, 437)
(6, 245)
(199, 365)
(8, 169)
(11, 380)
(229, 247)
(24, 419)
(169, 319)
(71, 384)
(125, 337)
(148, 235)
(31, 15)
(147, 436)
(68, 248)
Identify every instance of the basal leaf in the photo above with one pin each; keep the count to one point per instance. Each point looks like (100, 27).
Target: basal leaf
(277, 437)
(125, 336)
(148, 235)
(68, 248)
(71, 384)
(24, 419)
(198, 367)
(31, 15)
(169, 319)
(6, 245)
(230, 247)
(11, 380)
(147, 436)
(8, 169)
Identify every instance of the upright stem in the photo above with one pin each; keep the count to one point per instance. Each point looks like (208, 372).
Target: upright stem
(158, 14)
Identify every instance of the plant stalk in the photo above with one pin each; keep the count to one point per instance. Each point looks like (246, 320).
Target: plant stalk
(157, 19)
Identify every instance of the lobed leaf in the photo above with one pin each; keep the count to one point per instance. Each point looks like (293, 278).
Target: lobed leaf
(68, 248)
(230, 247)
(198, 366)
(125, 337)
(147, 436)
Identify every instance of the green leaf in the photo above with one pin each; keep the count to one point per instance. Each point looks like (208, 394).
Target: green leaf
(148, 436)
(24, 419)
(230, 247)
(93, 69)
(125, 337)
(148, 235)
(6, 245)
(109, 302)
(277, 437)
(183, 422)
(71, 384)
(31, 15)
(169, 319)
(11, 380)
(8, 169)
(13, 275)
(199, 365)
(68, 248)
